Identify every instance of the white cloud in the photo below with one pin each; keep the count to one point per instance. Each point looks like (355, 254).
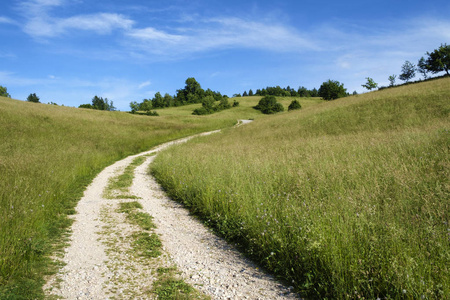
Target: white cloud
(151, 34)
(217, 34)
(144, 84)
(41, 24)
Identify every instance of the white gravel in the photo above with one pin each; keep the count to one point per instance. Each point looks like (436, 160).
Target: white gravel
(205, 261)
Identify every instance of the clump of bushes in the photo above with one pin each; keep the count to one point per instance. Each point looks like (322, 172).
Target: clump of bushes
(269, 105)
(294, 105)
(209, 106)
(152, 113)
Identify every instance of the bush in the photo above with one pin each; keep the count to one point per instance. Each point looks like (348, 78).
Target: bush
(269, 105)
(235, 103)
(152, 113)
(331, 90)
(33, 98)
(201, 111)
(4, 92)
(86, 106)
(294, 105)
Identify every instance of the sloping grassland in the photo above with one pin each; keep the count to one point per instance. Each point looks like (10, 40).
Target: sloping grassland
(345, 199)
(48, 154)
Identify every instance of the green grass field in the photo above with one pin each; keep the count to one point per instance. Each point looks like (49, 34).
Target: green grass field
(48, 154)
(343, 199)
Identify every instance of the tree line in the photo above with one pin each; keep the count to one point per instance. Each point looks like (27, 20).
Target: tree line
(100, 104)
(278, 91)
(191, 93)
(435, 62)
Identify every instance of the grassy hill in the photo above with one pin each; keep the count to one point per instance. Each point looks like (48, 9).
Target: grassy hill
(48, 154)
(344, 199)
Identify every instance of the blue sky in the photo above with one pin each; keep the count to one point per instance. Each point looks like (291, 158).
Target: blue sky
(69, 51)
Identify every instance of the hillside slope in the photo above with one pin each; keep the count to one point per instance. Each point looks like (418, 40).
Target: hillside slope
(48, 154)
(345, 199)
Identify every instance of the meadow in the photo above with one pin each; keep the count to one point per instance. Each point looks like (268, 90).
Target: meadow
(48, 155)
(347, 199)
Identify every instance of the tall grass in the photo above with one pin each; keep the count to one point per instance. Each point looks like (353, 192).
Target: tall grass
(346, 199)
(48, 155)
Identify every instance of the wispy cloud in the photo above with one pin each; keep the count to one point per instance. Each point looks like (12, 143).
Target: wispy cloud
(144, 84)
(6, 20)
(219, 34)
(41, 24)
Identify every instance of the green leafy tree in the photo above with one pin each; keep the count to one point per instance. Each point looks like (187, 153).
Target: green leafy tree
(4, 92)
(408, 71)
(168, 100)
(158, 101)
(392, 80)
(331, 90)
(102, 104)
(370, 84)
(303, 92)
(439, 60)
(314, 93)
(134, 107)
(33, 98)
(422, 67)
(250, 92)
(294, 105)
(269, 105)
(192, 86)
(146, 105)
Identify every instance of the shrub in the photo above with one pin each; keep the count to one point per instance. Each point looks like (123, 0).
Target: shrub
(294, 105)
(4, 92)
(331, 90)
(33, 98)
(235, 103)
(269, 105)
(201, 111)
(152, 113)
(86, 106)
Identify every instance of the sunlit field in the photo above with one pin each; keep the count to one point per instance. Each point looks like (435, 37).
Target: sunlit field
(48, 154)
(344, 199)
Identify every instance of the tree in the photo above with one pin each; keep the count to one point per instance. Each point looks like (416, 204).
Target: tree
(439, 60)
(294, 105)
(4, 92)
(408, 71)
(392, 80)
(146, 105)
(33, 98)
(422, 67)
(269, 105)
(102, 104)
(158, 101)
(168, 100)
(250, 92)
(331, 90)
(192, 86)
(303, 92)
(370, 84)
(134, 107)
